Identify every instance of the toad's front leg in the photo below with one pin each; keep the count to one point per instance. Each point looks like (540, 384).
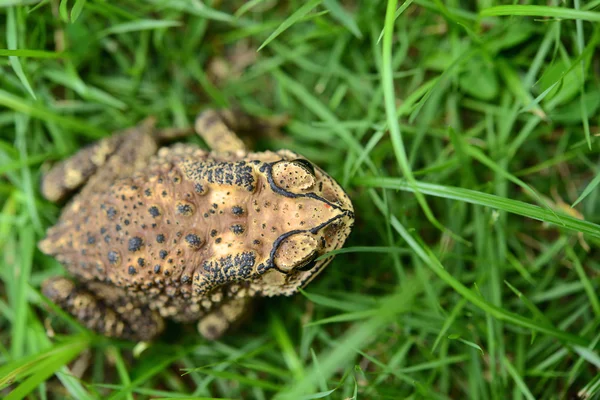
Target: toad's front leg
(213, 325)
(220, 128)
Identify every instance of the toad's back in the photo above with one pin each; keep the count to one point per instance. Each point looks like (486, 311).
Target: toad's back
(187, 220)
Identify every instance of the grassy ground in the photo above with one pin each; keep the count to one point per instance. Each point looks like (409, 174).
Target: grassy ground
(465, 133)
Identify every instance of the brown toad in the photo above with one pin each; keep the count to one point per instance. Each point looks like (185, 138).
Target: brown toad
(184, 233)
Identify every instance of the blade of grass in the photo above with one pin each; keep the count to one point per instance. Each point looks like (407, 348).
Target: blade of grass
(197, 8)
(21, 368)
(398, 13)
(122, 369)
(387, 81)
(11, 41)
(580, 47)
(291, 20)
(284, 341)
(139, 25)
(44, 368)
(448, 322)
(588, 189)
(24, 53)
(487, 200)
(585, 280)
(247, 6)
(541, 11)
(35, 110)
(22, 272)
(482, 158)
(518, 379)
(341, 15)
(77, 9)
(589, 49)
(62, 10)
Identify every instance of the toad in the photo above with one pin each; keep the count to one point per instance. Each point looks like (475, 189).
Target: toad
(183, 233)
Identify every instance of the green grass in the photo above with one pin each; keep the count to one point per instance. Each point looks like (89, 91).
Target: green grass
(466, 133)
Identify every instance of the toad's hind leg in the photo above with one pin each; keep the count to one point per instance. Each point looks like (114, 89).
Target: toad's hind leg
(100, 163)
(213, 325)
(104, 309)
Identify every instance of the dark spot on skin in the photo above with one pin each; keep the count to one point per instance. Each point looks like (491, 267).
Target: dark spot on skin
(160, 238)
(141, 262)
(198, 188)
(215, 206)
(102, 230)
(135, 243)
(163, 254)
(154, 211)
(170, 261)
(91, 240)
(111, 213)
(156, 269)
(185, 279)
(126, 222)
(193, 240)
(256, 241)
(118, 227)
(213, 233)
(237, 229)
(153, 225)
(164, 193)
(185, 209)
(148, 192)
(237, 210)
(107, 239)
(218, 240)
(113, 257)
(131, 270)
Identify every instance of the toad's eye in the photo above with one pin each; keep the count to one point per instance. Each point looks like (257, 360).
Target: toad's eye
(305, 164)
(294, 176)
(296, 252)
